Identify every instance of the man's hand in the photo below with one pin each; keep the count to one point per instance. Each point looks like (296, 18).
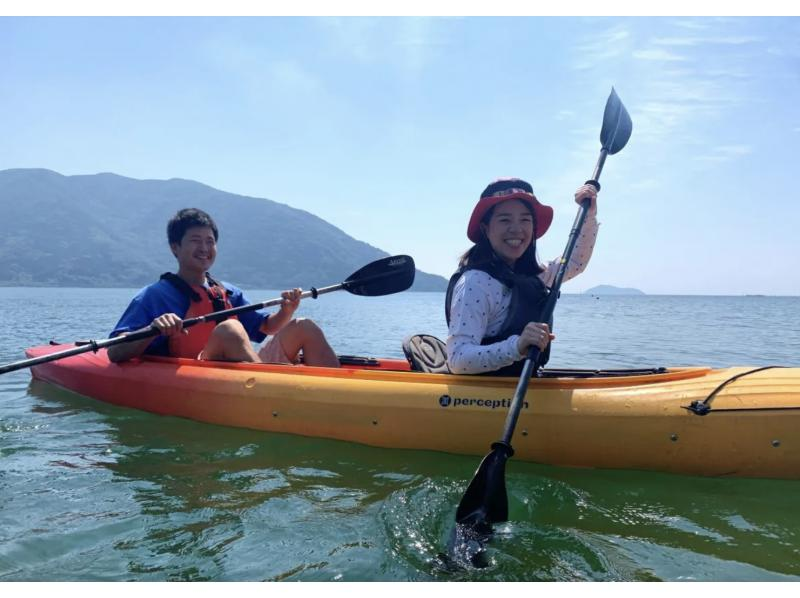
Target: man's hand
(291, 301)
(169, 325)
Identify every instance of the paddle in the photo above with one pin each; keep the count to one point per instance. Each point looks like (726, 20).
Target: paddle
(381, 277)
(485, 501)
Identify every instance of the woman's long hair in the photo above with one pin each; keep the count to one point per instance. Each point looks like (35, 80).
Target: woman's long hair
(482, 254)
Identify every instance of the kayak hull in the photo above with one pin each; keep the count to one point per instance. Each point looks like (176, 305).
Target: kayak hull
(627, 422)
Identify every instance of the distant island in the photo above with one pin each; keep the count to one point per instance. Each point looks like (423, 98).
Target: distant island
(607, 289)
(106, 230)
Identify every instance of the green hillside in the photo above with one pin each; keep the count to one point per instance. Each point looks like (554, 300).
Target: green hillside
(106, 230)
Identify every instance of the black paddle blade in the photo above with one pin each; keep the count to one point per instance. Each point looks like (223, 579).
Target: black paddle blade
(382, 277)
(485, 501)
(466, 548)
(617, 125)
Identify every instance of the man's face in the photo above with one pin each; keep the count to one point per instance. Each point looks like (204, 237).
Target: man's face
(197, 250)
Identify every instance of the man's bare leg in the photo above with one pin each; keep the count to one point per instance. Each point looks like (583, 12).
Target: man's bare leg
(229, 342)
(302, 334)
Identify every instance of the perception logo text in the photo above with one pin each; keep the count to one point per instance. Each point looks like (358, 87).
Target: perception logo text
(448, 401)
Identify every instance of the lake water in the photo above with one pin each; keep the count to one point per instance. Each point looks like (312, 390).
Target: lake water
(94, 492)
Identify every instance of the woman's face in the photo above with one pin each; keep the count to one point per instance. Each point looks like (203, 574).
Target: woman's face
(510, 230)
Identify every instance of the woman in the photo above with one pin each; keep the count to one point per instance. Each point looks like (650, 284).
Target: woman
(494, 301)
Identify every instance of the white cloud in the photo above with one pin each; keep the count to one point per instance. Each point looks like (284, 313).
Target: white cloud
(728, 73)
(735, 150)
(691, 24)
(408, 40)
(354, 37)
(642, 184)
(683, 78)
(606, 45)
(660, 55)
(260, 74)
(289, 77)
(416, 37)
(725, 153)
(691, 93)
(695, 41)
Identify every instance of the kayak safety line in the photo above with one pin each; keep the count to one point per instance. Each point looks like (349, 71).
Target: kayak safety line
(704, 407)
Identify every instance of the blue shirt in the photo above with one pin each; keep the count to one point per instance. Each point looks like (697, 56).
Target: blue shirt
(162, 297)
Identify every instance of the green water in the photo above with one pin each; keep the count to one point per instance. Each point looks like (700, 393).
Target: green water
(90, 491)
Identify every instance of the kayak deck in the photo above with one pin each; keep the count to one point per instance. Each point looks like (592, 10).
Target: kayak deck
(615, 421)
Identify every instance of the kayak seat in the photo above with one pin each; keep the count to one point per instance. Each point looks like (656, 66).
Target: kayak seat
(426, 353)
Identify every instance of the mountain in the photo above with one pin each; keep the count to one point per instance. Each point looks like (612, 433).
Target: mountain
(607, 289)
(106, 230)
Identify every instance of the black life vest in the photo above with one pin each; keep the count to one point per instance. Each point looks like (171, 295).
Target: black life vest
(528, 298)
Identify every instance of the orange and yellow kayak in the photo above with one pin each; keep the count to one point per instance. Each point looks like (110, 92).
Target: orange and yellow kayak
(735, 421)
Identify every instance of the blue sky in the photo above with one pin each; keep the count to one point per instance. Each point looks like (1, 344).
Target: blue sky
(389, 128)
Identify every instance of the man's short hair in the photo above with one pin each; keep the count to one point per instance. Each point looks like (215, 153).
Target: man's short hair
(188, 218)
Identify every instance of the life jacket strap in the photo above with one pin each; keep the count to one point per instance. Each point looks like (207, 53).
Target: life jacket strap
(215, 291)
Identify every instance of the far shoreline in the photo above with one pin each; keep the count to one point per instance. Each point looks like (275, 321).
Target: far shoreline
(7, 285)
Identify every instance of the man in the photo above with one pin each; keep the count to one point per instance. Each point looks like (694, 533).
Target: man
(193, 236)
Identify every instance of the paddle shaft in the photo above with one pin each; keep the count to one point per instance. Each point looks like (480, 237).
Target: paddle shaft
(217, 316)
(531, 364)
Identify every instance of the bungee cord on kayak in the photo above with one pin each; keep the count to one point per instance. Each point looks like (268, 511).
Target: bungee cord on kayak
(704, 407)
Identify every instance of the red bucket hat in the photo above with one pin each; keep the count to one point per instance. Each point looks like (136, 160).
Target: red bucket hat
(503, 190)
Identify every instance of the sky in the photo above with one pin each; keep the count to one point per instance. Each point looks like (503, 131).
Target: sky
(390, 127)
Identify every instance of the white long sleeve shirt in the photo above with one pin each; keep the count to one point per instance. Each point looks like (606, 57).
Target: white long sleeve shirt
(479, 305)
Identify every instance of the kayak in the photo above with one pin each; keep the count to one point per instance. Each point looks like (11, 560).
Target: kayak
(737, 421)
